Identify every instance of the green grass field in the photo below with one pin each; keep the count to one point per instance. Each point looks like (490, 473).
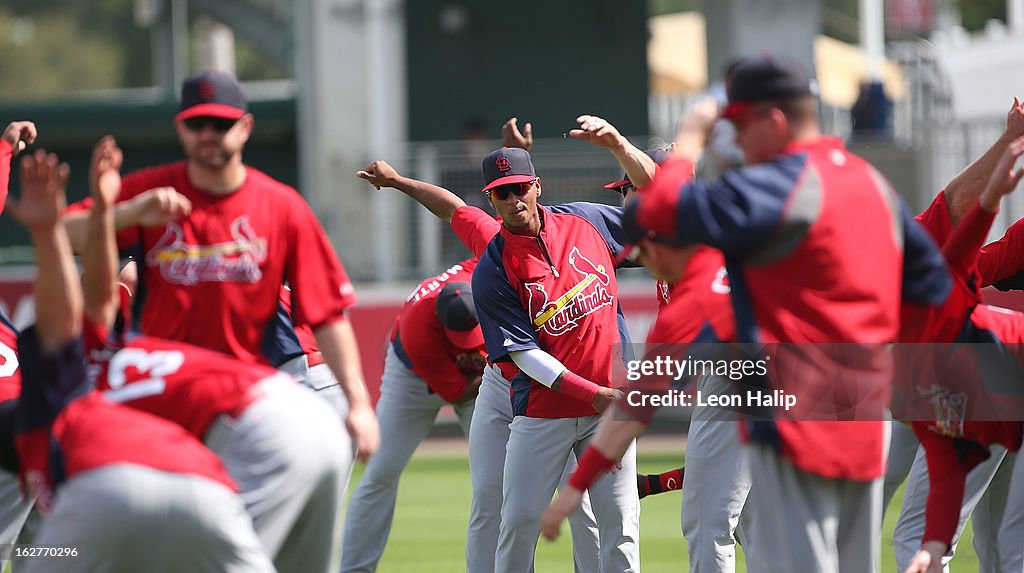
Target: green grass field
(428, 535)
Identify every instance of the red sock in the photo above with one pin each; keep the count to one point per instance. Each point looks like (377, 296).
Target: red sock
(659, 483)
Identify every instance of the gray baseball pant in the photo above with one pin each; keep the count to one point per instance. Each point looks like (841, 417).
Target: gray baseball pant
(534, 466)
(903, 446)
(715, 485)
(1011, 529)
(488, 439)
(14, 512)
(406, 412)
(802, 522)
(128, 518)
(289, 454)
(910, 524)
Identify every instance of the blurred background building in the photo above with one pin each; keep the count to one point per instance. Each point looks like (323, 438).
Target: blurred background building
(920, 87)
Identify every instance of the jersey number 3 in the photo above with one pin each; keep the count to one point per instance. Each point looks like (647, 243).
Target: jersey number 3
(152, 367)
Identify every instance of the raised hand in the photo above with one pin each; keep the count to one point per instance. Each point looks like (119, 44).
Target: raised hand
(511, 137)
(379, 174)
(597, 131)
(43, 199)
(1015, 119)
(19, 134)
(105, 172)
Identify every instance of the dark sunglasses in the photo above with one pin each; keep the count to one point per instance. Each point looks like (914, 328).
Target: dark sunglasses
(219, 124)
(502, 192)
(624, 189)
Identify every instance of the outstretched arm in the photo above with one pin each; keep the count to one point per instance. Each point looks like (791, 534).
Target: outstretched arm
(963, 191)
(99, 257)
(598, 131)
(438, 200)
(15, 137)
(58, 296)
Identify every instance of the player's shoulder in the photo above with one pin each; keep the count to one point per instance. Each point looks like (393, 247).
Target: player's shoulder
(587, 210)
(491, 266)
(155, 176)
(268, 184)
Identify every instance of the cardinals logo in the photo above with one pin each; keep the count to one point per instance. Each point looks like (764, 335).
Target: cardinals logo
(585, 297)
(235, 261)
(503, 164)
(206, 91)
(721, 283)
(950, 409)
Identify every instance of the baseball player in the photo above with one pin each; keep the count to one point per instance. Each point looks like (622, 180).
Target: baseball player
(251, 415)
(492, 411)
(990, 478)
(125, 491)
(956, 445)
(716, 489)
(14, 508)
(435, 357)
(545, 292)
(213, 279)
(784, 223)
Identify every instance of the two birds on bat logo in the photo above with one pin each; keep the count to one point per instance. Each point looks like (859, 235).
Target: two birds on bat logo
(238, 260)
(588, 295)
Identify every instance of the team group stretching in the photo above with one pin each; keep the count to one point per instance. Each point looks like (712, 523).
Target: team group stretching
(205, 401)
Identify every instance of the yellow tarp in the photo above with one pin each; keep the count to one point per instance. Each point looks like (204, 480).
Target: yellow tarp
(677, 60)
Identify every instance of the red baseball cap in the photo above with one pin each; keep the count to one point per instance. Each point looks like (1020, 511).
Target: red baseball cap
(211, 94)
(457, 313)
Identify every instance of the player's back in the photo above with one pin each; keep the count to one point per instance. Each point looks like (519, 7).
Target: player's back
(832, 270)
(188, 385)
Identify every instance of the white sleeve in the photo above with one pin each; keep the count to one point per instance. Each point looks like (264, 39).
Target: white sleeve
(539, 365)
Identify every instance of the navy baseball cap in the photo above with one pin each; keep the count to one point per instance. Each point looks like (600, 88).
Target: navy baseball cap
(211, 94)
(659, 156)
(508, 165)
(457, 314)
(766, 78)
(634, 228)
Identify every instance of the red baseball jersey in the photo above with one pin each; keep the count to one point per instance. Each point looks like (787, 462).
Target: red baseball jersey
(10, 376)
(419, 340)
(64, 430)
(214, 279)
(187, 385)
(819, 249)
(475, 228)
(969, 417)
(996, 261)
(556, 292)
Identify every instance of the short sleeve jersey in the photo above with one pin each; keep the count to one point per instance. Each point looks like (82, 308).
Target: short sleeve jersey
(213, 278)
